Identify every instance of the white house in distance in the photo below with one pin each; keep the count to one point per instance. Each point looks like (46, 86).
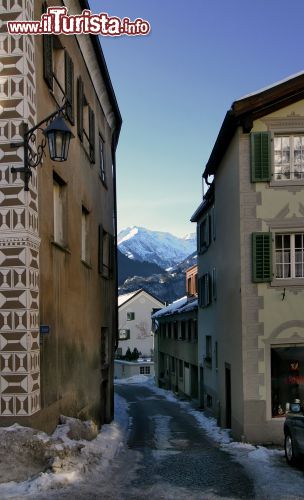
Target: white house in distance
(134, 313)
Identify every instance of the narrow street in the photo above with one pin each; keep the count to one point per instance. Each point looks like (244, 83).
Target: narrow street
(177, 459)
(159, 447)
(167, 457)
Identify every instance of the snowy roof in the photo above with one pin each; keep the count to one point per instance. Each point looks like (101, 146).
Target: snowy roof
(268, 87)
(251, 107)
(182, 305)
(127, 296)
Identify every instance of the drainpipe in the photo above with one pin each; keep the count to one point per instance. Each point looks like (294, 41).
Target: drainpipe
(114, 146)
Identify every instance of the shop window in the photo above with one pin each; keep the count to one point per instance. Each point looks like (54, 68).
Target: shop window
(287, 378)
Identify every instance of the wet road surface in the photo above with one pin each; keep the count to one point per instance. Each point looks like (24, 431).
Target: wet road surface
(175, 458)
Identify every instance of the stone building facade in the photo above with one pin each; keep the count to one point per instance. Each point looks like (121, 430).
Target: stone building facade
(251, 281)
(57, 258)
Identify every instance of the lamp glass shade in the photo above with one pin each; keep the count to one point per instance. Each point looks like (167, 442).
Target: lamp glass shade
(58, 135)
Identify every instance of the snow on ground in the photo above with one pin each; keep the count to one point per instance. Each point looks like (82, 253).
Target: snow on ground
(272, 477)
(65, 457)
(66, 460)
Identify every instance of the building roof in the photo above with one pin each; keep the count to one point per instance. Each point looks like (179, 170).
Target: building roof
(84, 4)
(122, 299)
(251, 107)
(179, 306)
(206, 203)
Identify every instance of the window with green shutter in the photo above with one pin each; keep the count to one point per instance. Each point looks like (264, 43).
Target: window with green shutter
(261, 257)
(260, 157)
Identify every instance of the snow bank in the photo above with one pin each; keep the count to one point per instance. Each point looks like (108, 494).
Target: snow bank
(67, 460)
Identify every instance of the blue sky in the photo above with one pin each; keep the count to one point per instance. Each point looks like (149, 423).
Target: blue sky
(175, 85)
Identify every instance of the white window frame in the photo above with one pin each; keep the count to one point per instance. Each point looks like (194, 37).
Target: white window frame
(292, 256)
(291, 136)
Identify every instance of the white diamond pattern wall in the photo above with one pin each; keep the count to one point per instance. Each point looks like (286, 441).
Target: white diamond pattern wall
(19, 239)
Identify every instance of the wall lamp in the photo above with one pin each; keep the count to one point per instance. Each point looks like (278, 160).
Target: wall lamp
(57, 134)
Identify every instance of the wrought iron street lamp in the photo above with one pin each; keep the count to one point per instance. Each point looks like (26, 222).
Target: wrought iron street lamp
(57, 134)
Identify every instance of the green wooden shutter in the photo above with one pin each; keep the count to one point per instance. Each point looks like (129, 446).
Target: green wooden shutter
(100, 249)
(92, 134)
(80, 101)
(260, 157)
(69, 86)
(261, 257)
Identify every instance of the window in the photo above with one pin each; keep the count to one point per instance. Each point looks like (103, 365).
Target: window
(58, 71)
(204, 290)
(288, 157)
(169, 330)
(214, 284)
(287, 376)
(123, 334)
(204, 234)
(289, 255)
(216, 355)
(102, 171)
(59, 201)
(173, 365)
(85, 122)
(84, 235)
(131, 317)
(175, 330)
(189, 330)
(105, 252)
(195, 329)
(181, 369)
(144, 370)
(208, 357)
(183, 330)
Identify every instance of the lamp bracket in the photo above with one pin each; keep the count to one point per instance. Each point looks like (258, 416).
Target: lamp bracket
(33, 154)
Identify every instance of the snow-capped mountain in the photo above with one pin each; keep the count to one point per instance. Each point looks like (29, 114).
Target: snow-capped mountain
(157, 247)
(167, 286)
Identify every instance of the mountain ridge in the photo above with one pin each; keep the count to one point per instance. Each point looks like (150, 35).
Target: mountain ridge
(157, 247)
